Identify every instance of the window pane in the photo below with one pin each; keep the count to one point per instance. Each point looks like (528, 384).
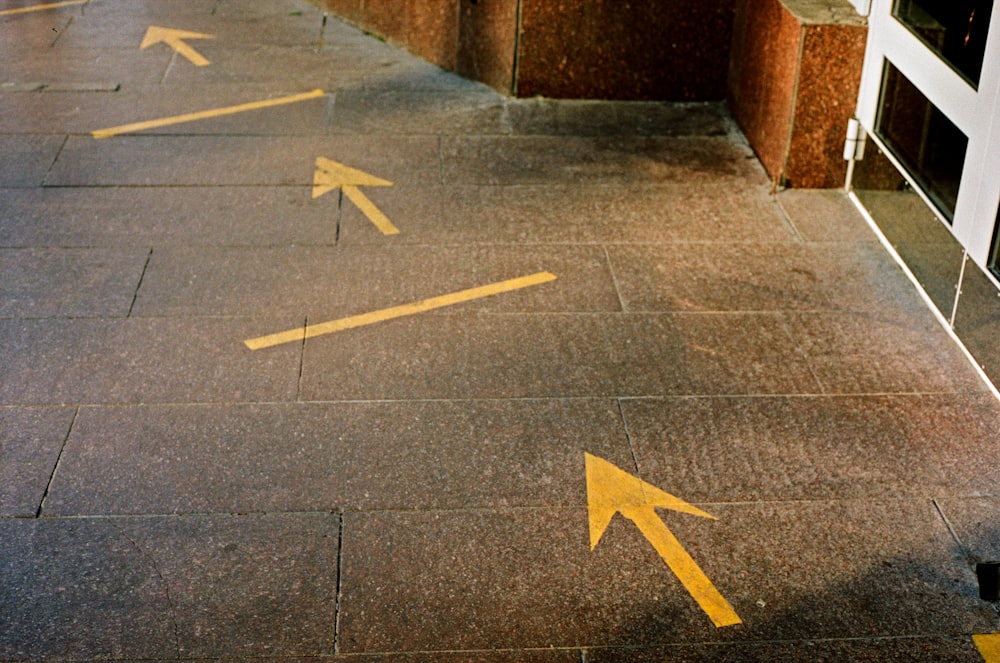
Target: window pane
(928, 145)
(954, 29)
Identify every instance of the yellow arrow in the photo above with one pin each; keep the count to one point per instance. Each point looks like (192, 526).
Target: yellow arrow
(989, 646)
(174, 39)
(611, 490)
(330, 175)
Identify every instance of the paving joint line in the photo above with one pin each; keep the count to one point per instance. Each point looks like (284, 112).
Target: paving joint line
(340, 582)
(966, 553)
(138, 286)
(55, 466)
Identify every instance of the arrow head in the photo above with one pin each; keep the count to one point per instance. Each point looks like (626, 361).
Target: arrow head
(610, 490)
(156, 34)
(330, 175)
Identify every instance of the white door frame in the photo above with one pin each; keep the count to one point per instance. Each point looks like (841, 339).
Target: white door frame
(975, 112)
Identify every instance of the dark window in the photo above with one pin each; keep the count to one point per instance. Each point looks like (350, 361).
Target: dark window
(927, 144)
(954, 29)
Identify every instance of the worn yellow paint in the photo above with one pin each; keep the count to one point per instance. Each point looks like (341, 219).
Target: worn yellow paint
(204, 115)
(611, 490)
(989, 646)
(330, 175)
(38, 8)
(299, 334)
(175, 40)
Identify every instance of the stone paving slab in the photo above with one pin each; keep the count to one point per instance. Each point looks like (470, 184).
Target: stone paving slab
(327, 283)
(48, 111)
(327, 456)
(299, 24)
(237, 160)
(90, 66)
(566, 214)
(30, 442)
(762, 277)
(891, 352)
(791, 448)
(817, 567)
(27, 158)
(134, 361)
(585, 160)
(551, 355)
(824, 216)
(69, 282)
(163, 217)
(148, 587)
(868, 650)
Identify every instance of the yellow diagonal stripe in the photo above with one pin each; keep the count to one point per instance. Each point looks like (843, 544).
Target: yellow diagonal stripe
(368, 208)
(38, 8)
(297, 335)
(204, 115)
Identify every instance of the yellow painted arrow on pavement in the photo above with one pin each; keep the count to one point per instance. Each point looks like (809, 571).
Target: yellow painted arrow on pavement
(330, 175)
(175, 40)
(988, 645)
(611, 490)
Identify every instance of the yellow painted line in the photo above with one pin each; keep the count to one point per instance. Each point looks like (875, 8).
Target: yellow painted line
(298, 335)
(989, 646)
(204, 115)
(175, 40)
(611, 490)
(369, 209)
(38, 8)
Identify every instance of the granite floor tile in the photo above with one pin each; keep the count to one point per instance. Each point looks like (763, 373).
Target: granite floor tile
(27, 158)
(31, 440)
(821, 215)
(760, 277)
(976, 520)
(145, 9)
(542, 355)
(459, 111)
(567, 214)
(33, 30)
(237, 160)
(891, 351)
(136, 361)
(800, 448)
(529, 577)
(307, 67)
(327, 283)
(581, 160)
(83, 67)
(326, 456)
(540, 116)
(297, 24)
(69, 282)
(955, 649)
(165, 216)
(81, 112)
(182, 587)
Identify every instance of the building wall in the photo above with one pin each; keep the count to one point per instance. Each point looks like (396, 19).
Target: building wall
(671, 50)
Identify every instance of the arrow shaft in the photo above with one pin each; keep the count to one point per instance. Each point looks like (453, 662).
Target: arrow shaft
(684, 567)
(368, 208)
(192, 55)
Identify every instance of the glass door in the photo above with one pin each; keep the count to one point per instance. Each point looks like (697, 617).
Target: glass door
(930, 101)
